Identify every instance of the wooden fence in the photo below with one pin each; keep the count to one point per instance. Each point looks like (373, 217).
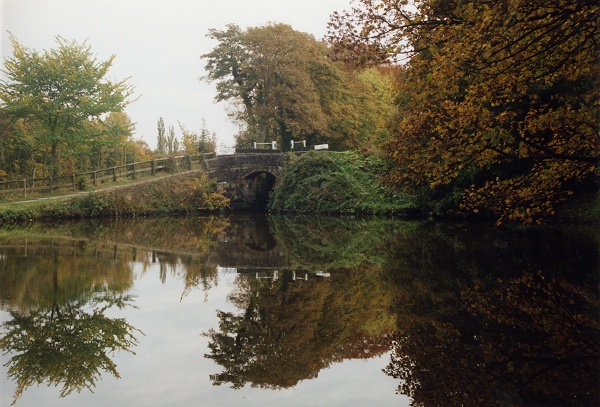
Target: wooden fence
(80, 181)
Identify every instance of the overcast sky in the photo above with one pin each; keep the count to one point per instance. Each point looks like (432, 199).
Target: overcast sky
(158, 45)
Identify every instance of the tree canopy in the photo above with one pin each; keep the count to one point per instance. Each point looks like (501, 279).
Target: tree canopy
(497, 101)
(284, 88)
(60, 91)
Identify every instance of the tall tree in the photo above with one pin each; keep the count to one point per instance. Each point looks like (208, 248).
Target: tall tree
(172, 142)
(161, 142)
(61, 89)
(285, 88)
(498, 101)
(266, 69)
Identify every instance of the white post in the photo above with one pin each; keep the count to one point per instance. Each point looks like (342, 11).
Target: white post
(274, 145)
(255, 145)
(304, 143)
(292, 144)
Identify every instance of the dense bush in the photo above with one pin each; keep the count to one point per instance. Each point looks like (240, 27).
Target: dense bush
(334, 183)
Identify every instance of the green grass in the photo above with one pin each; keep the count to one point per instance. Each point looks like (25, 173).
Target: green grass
(9, 197)
(185, 193)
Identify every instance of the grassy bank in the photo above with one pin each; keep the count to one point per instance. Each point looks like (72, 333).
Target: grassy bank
(186, 193)
(336, 183)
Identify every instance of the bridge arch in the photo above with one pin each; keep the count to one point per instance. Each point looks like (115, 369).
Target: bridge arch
(246, 179)
(259, 185)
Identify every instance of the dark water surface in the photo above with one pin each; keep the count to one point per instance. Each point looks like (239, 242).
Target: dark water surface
(298, 311)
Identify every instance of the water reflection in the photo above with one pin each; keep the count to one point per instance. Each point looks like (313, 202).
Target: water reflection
(59, 333)
(472, 315)
(287, 329)
(326, 301)
(503, 318)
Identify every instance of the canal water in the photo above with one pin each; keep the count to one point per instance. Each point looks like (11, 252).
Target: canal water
(298, 311)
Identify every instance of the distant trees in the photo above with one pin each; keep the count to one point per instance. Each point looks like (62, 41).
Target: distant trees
(58, 96)
(194, 143)
(284, 88)
(191, 142)
(497, 102)
(161, 140)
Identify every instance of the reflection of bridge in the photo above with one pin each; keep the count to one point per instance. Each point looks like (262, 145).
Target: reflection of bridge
(246, 179)
(290, 274)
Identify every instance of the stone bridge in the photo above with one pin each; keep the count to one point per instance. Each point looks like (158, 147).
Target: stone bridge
(246, 179)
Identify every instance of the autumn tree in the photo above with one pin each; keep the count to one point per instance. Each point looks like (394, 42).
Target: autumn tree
(113, 141)
(207, 141)
(61, 90)
(20, 152)
(194, 143)
(284, 88)
(497, 105)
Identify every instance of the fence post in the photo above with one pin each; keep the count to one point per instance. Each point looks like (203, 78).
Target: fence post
(152, 167)
(95, 178)
(133, 176)
(73, 180)
(174, 161)
(114, 174)
(25, 188)
(50, 183)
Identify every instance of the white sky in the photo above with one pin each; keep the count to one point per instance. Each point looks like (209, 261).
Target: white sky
(157, 44)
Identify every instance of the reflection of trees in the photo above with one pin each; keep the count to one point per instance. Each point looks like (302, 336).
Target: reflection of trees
(330, 242)
(180, 246)
(65, 345)
(479, 323)
(290, 330)
(43, 273)
(59, 333)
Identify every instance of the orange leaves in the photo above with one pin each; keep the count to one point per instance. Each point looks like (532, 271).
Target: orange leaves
(503, 97)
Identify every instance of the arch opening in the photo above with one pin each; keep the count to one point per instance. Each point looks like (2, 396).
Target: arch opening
(258, 187)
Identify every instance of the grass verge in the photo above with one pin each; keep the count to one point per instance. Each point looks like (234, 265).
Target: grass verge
(187, 193)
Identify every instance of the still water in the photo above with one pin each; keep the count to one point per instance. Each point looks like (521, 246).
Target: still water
(298, 311)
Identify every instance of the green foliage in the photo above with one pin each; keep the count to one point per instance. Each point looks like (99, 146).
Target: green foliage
(205, 142)
(66, 343)
(62, 92)
(335, 183)
(285, 88)
(333, 242)
(504, 93)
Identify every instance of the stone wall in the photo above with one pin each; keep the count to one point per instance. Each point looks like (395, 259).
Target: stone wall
(246, 179)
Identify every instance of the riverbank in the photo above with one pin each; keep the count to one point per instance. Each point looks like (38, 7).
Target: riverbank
(331, 184)
(185, 193)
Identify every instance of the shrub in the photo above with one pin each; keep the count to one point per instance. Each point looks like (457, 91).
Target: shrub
(334, 183)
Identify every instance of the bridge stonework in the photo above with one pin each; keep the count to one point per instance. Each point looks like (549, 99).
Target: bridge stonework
(246, 179)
